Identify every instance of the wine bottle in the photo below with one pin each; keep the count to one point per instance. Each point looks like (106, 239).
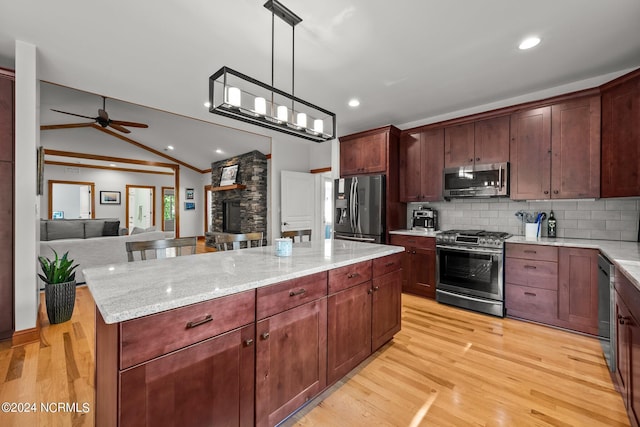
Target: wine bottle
(551, 225)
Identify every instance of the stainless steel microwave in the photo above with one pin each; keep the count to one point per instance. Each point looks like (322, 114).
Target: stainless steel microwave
(488, 180)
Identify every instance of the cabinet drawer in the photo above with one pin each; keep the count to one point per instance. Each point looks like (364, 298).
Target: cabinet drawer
(387, 264)
(531, 303)
(350, 275)
(413, 241)
(535, 252)
(538, 274)
(151, 336)
(276, 298)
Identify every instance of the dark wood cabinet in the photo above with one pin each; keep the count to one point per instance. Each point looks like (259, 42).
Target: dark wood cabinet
(627, 306)
(291, 360)
(386, 308)
(6, 203)
(363, 314)
(555, 151)
(349, 330)
(578, 289)
(575, 148)
(364, 154)
(421, 164)
(418, 264)
(483, 141)
(530, 154)
(556, 286)
(459, 145)
(620, 175)
(209, 383)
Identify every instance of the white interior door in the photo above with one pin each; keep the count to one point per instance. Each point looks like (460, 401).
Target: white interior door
(298, 201)
(140, 207)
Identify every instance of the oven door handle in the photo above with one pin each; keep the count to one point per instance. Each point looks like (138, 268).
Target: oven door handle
(467, 297)
(470, 249)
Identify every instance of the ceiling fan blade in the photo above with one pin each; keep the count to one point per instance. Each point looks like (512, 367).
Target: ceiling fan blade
(118, 127)
(103, 114)
(131, 124)
(66, 126)
(73, 114)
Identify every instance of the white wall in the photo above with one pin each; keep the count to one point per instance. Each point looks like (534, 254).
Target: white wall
(27, 135)
(191, 222)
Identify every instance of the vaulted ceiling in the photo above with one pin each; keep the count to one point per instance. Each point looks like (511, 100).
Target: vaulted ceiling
(406, 61)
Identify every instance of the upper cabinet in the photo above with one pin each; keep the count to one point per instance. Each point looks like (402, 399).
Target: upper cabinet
(367, 152)
(555, 151)
(621, 137)
(483, 141)
(421, 163)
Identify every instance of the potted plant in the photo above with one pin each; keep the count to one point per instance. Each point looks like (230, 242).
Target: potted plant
(60, 286)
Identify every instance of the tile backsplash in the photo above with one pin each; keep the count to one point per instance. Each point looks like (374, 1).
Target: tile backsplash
(609, 219)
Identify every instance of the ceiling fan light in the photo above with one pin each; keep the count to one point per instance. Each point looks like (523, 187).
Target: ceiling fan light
(529, 42)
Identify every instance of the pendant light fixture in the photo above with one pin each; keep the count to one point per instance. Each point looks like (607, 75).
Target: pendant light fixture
(236, 95)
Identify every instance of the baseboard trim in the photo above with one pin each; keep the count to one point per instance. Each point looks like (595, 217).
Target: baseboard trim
(26, 336)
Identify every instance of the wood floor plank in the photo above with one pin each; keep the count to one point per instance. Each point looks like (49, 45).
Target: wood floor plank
(447, 367)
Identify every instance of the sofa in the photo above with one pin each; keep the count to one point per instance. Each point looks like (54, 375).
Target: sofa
(86, 246)
(56, 229)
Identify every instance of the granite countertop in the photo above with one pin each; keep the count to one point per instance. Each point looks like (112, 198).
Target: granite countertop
(415, 233)
(131, 290)
(625, 255)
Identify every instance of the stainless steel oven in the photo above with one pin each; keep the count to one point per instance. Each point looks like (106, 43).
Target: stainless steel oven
(470, 270)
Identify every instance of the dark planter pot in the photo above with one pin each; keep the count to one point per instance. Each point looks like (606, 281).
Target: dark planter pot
(60, 299)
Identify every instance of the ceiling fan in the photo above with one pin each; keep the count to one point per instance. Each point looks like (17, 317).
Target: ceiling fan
(102, 119)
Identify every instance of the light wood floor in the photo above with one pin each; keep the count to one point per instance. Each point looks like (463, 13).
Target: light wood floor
(447, 367)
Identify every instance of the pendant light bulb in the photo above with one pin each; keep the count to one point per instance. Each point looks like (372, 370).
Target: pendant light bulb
(260, 105)
(318, 125)
(301, 120)
(283, 113)
(233, 96)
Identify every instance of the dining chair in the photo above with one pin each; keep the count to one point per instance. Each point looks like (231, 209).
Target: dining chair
(164, 248)
(225, 242)
(299, 234)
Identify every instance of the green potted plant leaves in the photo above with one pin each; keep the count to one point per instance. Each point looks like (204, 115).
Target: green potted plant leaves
(60, 286)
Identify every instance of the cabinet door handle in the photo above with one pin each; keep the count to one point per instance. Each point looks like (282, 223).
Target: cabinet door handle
(413, 252)
(555, 191)
(208, 318)
(623, 319)
(264, 335)
(477, 159)
(529, 251)
(369, 291)
(352, 275)
(389, 264)
(300, 291)
(375, 288)
(530, 294)
(248, 343)
(530, 267)
(546, 191)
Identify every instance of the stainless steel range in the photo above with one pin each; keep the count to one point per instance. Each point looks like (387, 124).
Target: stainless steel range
(470, 270)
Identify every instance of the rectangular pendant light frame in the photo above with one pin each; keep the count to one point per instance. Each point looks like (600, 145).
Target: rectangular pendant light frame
(223, 108)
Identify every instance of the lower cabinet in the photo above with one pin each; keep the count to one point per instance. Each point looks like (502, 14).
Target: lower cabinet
(627, 306)
(418, 264)
(291, 360)
(364, 316)
(556, 286)
(209, 383)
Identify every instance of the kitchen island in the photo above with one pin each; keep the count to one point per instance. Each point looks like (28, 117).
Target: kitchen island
(240, 337)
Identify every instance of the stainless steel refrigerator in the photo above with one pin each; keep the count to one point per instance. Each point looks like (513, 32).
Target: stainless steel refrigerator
(360, 208)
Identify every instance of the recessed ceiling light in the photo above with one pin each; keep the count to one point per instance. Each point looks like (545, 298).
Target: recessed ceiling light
(207, 104)
(354, 102)
(113, 165)
(169, 147)
(219, 151)
(529, 42)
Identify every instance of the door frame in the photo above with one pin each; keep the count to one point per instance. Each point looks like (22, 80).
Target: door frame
(92, 186)
(151, 187)
(174, 206)
(207, 206)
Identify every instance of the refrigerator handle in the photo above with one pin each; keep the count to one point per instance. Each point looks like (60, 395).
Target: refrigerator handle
(356, 203)
(351, 208)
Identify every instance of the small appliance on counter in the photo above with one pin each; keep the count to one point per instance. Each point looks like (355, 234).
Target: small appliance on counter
(425, 219)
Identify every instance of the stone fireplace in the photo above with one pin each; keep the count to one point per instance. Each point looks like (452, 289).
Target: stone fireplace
(242, 209)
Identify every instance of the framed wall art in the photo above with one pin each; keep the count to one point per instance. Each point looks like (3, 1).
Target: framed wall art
(109, 197)
(189, 206)
(229, 175)
(189, 193)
